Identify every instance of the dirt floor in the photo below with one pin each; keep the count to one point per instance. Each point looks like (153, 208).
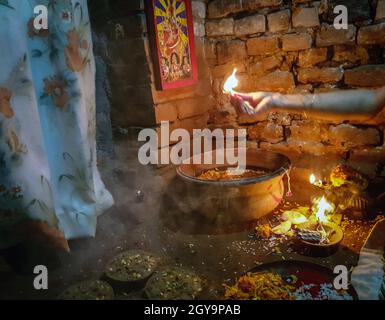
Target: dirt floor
(139, 220)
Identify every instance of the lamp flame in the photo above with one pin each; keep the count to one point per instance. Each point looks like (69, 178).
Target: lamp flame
(312, 179)
(322, 206)
(231, 83)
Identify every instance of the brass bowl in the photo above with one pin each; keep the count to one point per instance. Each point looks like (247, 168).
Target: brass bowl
(235, 200)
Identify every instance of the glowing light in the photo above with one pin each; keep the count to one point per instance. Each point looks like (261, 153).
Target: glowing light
(321, 207)
(312, 179)
(231, 83)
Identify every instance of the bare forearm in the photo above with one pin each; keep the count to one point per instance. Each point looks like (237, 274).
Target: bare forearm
(349, 105)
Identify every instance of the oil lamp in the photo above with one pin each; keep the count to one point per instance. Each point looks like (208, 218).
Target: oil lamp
(315, 182)
(319, 236)
(231, 83)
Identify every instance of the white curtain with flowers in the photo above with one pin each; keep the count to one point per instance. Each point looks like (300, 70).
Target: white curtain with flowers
(48, 167)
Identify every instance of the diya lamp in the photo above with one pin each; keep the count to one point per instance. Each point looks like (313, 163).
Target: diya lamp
(346, 188)
(315, 182)
(319, 236)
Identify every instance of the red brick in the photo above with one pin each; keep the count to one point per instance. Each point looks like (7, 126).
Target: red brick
(312, 57)
(307, 130)
(281, 118)
(231, 50)
(279, 21)
(320, 75)
(301, 147)
(366, 76)
(259, 4)
(328, 36)
(222, 8)
(351, 54)
(250, 25)
(371, 34)
(296, 42)
(348, 136)
(265, 65)
(223, 27)
(262, 45)
(279, 81)
(266, 131)
(305, 17)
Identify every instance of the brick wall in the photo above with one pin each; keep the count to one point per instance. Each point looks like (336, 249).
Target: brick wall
(188, 107)
(134, 98)
(292, 47)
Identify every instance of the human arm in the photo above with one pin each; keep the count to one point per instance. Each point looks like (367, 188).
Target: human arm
(354, 105)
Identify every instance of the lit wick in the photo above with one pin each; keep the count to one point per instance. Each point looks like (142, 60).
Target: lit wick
(231, 83)
(322, 206)
(312, 179)
(314, 182)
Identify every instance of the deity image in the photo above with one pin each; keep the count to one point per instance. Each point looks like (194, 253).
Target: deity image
(165, 65)
(186, 67)
(172, 30)
(176, 68)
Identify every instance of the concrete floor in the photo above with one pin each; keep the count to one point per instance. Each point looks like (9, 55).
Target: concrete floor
(137, 222)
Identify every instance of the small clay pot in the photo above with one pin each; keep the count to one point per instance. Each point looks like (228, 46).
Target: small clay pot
(173, 283)
(130, 270)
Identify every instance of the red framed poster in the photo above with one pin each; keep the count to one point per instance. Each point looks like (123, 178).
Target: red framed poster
(172, 41)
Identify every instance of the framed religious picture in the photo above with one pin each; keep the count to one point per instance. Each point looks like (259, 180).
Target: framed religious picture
(172, 43)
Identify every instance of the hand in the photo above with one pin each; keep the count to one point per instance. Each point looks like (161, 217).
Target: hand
(257, 103)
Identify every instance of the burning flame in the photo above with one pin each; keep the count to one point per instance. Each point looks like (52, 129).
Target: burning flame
(312, 179)
(231, 83)
(322, 206)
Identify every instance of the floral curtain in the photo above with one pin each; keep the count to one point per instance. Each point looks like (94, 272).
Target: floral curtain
(48, 167)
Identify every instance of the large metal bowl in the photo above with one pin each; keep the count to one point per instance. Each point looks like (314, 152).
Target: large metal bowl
(235, 200)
